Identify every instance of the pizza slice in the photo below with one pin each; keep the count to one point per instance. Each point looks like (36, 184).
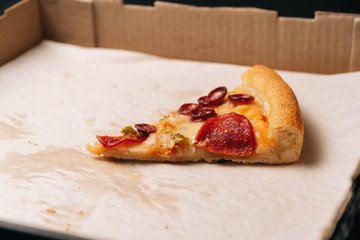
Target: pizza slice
(258, 122)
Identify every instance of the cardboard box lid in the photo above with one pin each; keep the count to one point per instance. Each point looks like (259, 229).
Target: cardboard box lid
(20, 29)
(243, 36)
(329, 43)
(68, 21)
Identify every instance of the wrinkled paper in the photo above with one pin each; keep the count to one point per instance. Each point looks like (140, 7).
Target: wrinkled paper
(56, 98)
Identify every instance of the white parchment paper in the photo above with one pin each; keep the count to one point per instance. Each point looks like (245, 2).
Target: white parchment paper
(55, 98)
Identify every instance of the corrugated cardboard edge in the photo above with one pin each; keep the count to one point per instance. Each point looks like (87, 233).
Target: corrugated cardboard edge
(188, 32)
(355, 55)
(68, 21)
(319, 45)
(20, 29)
(355, 49)
(244, 36)
(329, 43)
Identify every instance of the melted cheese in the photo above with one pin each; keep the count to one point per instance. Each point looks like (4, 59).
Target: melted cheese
(163, 142)
(176, 133)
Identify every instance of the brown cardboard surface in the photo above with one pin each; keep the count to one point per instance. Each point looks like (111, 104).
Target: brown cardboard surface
(244, 36)
(319, 45)
(19, 29)
(355, 57)
(68, 21)
(355, 49)
(329, 43)
(180, 31)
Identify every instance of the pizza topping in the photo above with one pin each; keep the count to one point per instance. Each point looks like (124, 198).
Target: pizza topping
(203, 100)
(145, 128)
(215, 97)
(186, 108)
(202, 113)
(239, 99)
(110, 141)
(203, 110)
(129, 131)
(229, 134)
(180, 139)
(130, 135)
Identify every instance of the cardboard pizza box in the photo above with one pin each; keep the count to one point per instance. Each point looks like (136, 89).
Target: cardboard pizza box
(329, 43)
(131, 200)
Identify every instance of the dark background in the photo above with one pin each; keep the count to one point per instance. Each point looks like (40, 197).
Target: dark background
(305, 8)
(288, 8)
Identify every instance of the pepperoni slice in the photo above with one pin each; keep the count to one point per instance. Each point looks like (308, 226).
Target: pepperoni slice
(110, 141)
(229, 134)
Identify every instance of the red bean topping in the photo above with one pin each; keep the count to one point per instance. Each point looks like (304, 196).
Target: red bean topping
(239, 99)
(186, 108)
(216, 96)
(202, 113)
(110, 141)
(145, 128)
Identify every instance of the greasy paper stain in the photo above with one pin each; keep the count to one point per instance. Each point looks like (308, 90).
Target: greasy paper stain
(12, 129)
(22, 115)
(205, 190)
(68, 75)
(71, 174)
(131, 187)
(89, 121)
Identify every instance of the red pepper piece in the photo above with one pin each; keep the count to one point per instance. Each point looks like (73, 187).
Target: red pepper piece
(112, 141)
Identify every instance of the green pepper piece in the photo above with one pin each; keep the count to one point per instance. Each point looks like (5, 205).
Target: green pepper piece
(129, 131)
(180, 139)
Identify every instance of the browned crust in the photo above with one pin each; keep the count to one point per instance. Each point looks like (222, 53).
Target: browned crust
(282, 106)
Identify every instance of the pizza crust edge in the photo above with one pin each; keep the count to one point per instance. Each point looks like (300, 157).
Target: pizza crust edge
(282, 109)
